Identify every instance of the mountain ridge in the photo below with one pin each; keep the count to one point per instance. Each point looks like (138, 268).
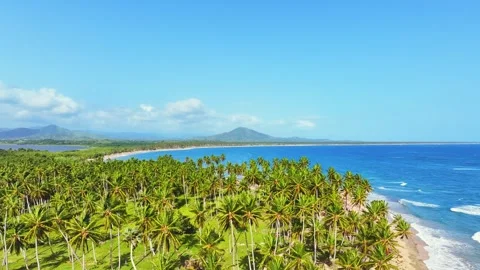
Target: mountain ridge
(243, 134)
(53, 132)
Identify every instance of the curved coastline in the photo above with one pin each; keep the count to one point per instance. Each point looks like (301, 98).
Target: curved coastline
(411, 252)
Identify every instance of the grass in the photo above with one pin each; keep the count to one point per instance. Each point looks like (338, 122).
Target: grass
(56, 257)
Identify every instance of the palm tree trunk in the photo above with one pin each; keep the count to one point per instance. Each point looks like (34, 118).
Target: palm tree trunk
(36, 253)
(151, 246)
(314, 240)
(335, 243)
(248, 253)
(94, 254)
(70, 248)
(111, 247)
(234, 259)
(5, 250)
(119, 251)
(253, 244)
(303, 229)
(25, 258)
(83, 261)
(276, 237)
(184, 190)
(131, 257)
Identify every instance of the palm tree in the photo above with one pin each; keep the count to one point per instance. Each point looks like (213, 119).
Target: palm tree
(16, 242)
(380, 258)
(111, 212)
(304, 209)
(229, 217)
(376, 210)
(403, 228)
(82, 229)
(200, 211)
(144, 220)
(276, 263)
(211, 261)
(351, 260)
(251, 214)
(39, 224)
(60, 214)
(165, 231)
(209, 242)
(277, 214)
(333, 214)
(299, 257)
(132, 237)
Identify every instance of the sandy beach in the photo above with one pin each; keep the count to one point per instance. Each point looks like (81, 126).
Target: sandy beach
(411, 251)
(135, 152)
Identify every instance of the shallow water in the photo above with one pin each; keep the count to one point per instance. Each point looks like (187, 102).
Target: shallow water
(436, 187)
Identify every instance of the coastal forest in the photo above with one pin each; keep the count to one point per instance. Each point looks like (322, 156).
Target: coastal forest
(62, 212)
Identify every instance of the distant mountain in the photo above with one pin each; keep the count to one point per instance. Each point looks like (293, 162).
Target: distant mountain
(242, 134)
(52, 132)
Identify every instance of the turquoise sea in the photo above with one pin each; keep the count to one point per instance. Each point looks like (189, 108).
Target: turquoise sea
(435, 187)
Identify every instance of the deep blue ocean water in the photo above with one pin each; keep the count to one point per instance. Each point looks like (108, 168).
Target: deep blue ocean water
(435, 187)
(51, 148)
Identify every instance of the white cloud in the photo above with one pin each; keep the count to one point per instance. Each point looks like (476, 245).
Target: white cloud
(45, 100)
(305, 124)
(185, 108)
(47, 105)
(43, 105)
(243, 119)
(146, 108)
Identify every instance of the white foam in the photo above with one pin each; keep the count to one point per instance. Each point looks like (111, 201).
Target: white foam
(476, 237)
(395, 189)
(441, 250)
(403, 184)
(376, 197)
(419, 204)
(466, 169)
(473, 210)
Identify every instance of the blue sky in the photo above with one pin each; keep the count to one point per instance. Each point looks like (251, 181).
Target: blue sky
(366, 70)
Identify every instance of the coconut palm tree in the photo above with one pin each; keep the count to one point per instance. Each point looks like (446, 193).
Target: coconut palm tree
(230, 218)
(212, 261)
(209, 242)
(299, 257)
(83, 229)
(251, 214)
(166, 230)
(277, 214)
(351, 259)
(16, 242)
(381, 258)
(132, 237)
(111, 213)
(403, 228)
(145, 222)
(39, 224)
(333, 214)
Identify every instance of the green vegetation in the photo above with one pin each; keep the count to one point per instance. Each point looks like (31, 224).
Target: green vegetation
(62, 211)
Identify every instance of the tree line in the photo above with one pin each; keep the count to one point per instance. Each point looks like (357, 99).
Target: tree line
(194, 214)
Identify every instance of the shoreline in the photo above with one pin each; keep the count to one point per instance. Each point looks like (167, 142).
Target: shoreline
(411, 252)
(135, 152)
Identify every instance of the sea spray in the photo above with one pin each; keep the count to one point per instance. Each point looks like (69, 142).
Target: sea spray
(473, 210)
(419, 204)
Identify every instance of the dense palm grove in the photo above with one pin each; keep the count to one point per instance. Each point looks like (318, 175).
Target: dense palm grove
(197, 214)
